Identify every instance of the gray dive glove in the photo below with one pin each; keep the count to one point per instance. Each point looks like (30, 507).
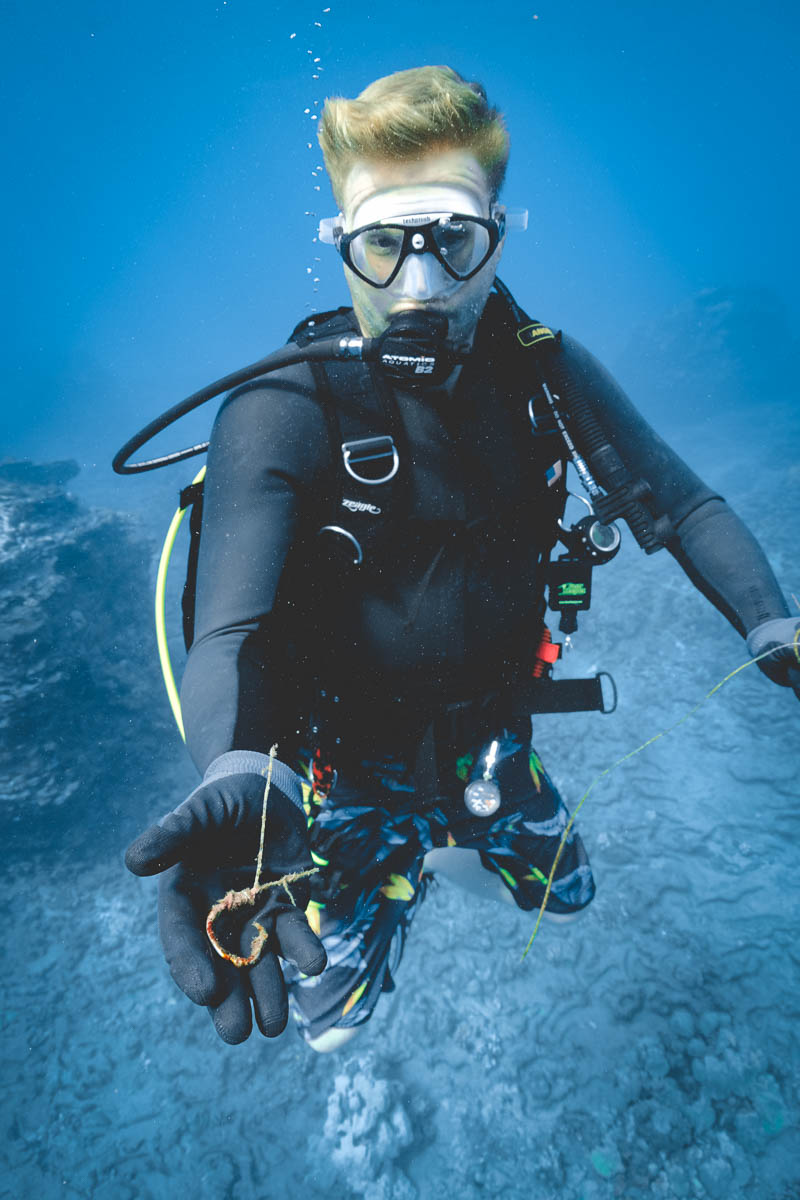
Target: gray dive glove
(781, 636)
(207, 847)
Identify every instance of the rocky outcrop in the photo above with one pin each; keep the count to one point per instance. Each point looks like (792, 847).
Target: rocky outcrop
(82, 724)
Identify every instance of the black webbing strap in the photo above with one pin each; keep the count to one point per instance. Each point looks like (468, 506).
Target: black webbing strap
(562, 695)
(192, 498)
(366, 438)
(531, 698)
(367, 446)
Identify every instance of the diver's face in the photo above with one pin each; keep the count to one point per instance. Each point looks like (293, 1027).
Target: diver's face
(446, 181)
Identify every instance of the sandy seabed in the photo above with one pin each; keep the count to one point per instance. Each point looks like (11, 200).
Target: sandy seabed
(648, 1050)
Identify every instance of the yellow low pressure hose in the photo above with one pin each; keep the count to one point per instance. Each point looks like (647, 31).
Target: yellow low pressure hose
(161, 621)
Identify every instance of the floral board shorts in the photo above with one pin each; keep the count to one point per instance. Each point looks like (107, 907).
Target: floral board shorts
(369, 837)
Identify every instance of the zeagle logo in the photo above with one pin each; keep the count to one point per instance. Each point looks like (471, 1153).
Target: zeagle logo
(361, 506)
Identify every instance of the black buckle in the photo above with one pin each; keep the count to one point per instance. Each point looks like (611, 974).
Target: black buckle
(543, 423)
(371, 449)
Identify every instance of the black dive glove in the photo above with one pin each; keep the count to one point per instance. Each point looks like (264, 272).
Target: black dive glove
(208, 847)
(780, 636)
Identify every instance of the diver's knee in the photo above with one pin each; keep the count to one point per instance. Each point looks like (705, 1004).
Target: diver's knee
(462, 866)
(332, 1039)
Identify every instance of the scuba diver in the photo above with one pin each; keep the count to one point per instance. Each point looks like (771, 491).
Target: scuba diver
(375, 561)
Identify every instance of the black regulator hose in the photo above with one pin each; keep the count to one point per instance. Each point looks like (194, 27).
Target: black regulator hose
(412, 350)
(287, 356)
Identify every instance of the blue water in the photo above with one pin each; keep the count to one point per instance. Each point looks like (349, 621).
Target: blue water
(158, 238)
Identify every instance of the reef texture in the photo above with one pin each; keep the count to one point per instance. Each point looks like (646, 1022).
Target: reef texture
(649, 1051)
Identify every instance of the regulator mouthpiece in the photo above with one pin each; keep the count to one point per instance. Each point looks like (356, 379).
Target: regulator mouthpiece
(413, 351)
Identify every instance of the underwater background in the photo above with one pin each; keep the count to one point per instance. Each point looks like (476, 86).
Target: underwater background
(163, 186)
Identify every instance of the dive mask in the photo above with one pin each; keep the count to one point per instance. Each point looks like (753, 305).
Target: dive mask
(460, 242)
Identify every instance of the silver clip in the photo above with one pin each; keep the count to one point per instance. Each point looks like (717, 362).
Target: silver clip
(364, 444)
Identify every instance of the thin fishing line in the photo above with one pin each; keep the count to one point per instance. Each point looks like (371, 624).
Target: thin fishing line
(794, 644)
(257, 881)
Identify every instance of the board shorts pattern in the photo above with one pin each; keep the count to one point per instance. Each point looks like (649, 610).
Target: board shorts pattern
(369, 837)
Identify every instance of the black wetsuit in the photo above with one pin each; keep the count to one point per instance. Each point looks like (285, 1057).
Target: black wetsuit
(447, 608)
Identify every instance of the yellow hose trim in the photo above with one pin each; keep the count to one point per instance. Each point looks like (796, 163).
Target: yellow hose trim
(161, 620)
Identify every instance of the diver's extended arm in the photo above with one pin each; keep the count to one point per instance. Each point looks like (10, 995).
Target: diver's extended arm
(712, 544)
(235, 694)
(725, 562)
(267, 450)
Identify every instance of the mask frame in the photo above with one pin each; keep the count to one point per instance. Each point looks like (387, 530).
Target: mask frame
(416, 226)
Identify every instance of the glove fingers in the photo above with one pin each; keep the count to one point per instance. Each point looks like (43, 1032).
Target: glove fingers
(232, 1018)
(155, 850)
(193, 828)
(194, 966)
(299, 944)
(270, 1000)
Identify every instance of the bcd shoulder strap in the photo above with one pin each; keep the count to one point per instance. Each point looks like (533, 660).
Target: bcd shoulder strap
(626, 498)
(366, 431)
(367, 442)
(366, 438)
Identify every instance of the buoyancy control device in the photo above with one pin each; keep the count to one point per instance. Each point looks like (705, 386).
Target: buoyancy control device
(410, 353)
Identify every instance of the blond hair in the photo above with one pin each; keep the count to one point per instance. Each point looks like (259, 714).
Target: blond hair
(408, 114)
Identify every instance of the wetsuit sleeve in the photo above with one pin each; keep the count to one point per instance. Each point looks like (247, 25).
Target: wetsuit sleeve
(715, 548)
(267, 451)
